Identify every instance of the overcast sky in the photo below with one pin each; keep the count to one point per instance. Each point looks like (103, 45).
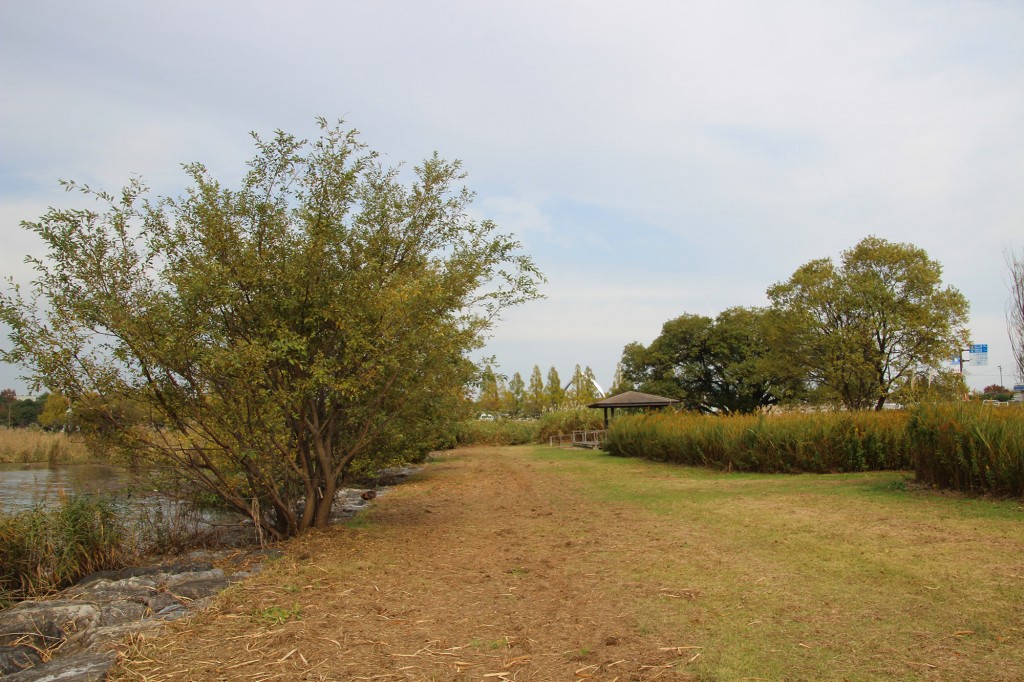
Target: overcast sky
(656, 158)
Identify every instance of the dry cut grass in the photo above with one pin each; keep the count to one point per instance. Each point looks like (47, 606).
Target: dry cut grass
(538, 564)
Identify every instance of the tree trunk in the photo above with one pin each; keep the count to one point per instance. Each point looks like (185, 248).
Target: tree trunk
(323, 512)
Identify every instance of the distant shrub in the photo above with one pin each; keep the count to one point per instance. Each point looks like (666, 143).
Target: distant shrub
(497, 432)
(521, 431)
(961, 446)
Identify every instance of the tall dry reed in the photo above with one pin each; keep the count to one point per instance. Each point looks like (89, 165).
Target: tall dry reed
(969, 447)
(821, 442)
(20, 446)
(42, 549)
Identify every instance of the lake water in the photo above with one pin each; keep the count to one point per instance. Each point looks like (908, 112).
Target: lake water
(23, 486)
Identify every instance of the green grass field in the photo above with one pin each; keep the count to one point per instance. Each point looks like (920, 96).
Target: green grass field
(784, 577)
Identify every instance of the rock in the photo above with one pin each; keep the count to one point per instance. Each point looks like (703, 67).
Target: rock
(143, 571)
(103, 639)
(15, 658)
(160, 601)
(180, 578)
(88, 667)
(199, 589)
(121, 612)
(172, 612)
(46, 624)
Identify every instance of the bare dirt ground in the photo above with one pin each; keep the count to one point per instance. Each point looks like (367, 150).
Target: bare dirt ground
(480, 568)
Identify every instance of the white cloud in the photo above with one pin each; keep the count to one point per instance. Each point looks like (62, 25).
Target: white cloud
(710, 147)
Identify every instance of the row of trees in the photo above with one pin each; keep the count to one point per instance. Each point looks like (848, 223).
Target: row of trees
(517, 398)
(877, 325)
(19, 412)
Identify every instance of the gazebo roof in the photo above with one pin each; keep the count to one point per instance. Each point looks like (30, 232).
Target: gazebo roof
(635, 399)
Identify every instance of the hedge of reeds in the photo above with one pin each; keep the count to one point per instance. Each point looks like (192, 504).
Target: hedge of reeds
(961, 446)
(35, 445)
(42, 550)
(819, 443)
(969, 447)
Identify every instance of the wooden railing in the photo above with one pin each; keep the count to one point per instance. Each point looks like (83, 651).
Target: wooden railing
(583, 439)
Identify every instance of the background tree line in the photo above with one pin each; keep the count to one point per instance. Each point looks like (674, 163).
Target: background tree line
(517, 398)
(876, 326)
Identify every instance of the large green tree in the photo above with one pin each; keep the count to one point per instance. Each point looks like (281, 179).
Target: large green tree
(582, 390)
(711, 365)
(316, 317)
(515, 396)
(878, 316)
(554, 392)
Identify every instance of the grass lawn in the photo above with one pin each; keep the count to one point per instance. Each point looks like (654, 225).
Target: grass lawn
(533, 563)
(849, 576)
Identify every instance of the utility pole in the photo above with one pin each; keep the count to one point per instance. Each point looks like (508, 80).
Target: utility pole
(1000, 376)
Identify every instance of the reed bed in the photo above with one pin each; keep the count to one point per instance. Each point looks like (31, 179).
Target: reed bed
(45, 549)
(567, 421)
(969, 447)
(20, 446)
(818, 443)
(42, 550)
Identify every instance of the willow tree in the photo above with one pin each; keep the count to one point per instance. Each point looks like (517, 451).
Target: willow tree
(318, 317)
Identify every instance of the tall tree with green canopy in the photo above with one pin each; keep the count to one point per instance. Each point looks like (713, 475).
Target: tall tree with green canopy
(620, 384)
(535, 395)
(515, 396)
(490, 399)
(879, 316)
(711, 365)
(317, 317)
(581, 390)
(554, 394)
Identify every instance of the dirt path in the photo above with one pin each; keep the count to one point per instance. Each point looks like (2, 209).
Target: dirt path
(482, 567)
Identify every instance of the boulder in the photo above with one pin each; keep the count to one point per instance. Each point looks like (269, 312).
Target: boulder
(16, 658)
(46, 624)
(86, 667)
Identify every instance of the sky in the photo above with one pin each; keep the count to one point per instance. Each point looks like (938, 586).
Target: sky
(655, 158)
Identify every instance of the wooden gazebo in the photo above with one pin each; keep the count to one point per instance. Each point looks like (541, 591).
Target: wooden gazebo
(631, 399)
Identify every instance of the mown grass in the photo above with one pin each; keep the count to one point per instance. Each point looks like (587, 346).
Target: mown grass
(859, 576)
(20, 446)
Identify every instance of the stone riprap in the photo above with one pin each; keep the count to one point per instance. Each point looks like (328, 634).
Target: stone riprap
(73, 636)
